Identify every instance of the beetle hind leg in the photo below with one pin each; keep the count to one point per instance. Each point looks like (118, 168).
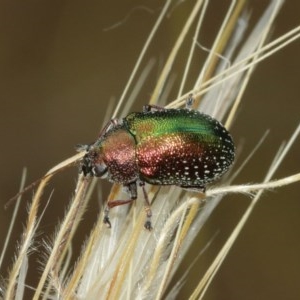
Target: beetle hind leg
(189, 102)
(197, 188)
(148, 107)
(188, 105)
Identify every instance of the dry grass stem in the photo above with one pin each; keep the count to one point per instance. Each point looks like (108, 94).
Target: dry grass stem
(126, 262)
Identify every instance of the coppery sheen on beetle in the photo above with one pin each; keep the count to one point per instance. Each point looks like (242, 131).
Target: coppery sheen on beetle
(181, 147)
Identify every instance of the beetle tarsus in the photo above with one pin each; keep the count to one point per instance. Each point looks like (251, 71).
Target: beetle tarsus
(148, 107)
(148, 225)
(147, 207)
(189, 102)
(106, 221)
(82, 147)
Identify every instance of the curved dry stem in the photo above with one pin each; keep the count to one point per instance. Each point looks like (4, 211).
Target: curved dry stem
(240, 66)
(126, 261)
(64, 236)
(258, 188)
(168, 65)
(183, 229)
(142, 54)
(251, 188)
(220, 43)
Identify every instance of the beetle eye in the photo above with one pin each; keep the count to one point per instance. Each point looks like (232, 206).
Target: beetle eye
(99, 170)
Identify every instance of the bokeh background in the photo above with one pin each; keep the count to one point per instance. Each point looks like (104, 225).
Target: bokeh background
(60, 69)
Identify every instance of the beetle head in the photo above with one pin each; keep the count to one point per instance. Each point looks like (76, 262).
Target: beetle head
(112, 156)
(92, 163)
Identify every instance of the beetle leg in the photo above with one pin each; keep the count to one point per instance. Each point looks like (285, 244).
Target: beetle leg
(132, 188)
(112, 122)
(188, 105)
(198, 188)
(147, 224)
(189, 102)
(110, 205)
(147, 108)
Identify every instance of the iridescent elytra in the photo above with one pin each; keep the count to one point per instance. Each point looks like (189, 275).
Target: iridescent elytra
(158, 146)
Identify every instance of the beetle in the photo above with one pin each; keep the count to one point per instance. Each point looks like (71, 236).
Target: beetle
(159, 146)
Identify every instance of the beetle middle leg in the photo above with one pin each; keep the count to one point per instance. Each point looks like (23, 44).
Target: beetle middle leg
(147, 224)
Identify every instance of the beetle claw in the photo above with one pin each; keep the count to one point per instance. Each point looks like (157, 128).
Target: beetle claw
(148, 225)
(82, 147)
(189, 102)
(106, 221)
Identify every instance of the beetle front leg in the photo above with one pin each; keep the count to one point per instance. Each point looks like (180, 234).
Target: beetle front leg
(113, 122)
(132, 188)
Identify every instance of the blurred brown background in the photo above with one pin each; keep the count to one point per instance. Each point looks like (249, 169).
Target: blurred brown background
(59, 70)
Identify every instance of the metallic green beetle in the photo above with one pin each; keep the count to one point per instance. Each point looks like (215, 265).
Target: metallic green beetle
(181, 147)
